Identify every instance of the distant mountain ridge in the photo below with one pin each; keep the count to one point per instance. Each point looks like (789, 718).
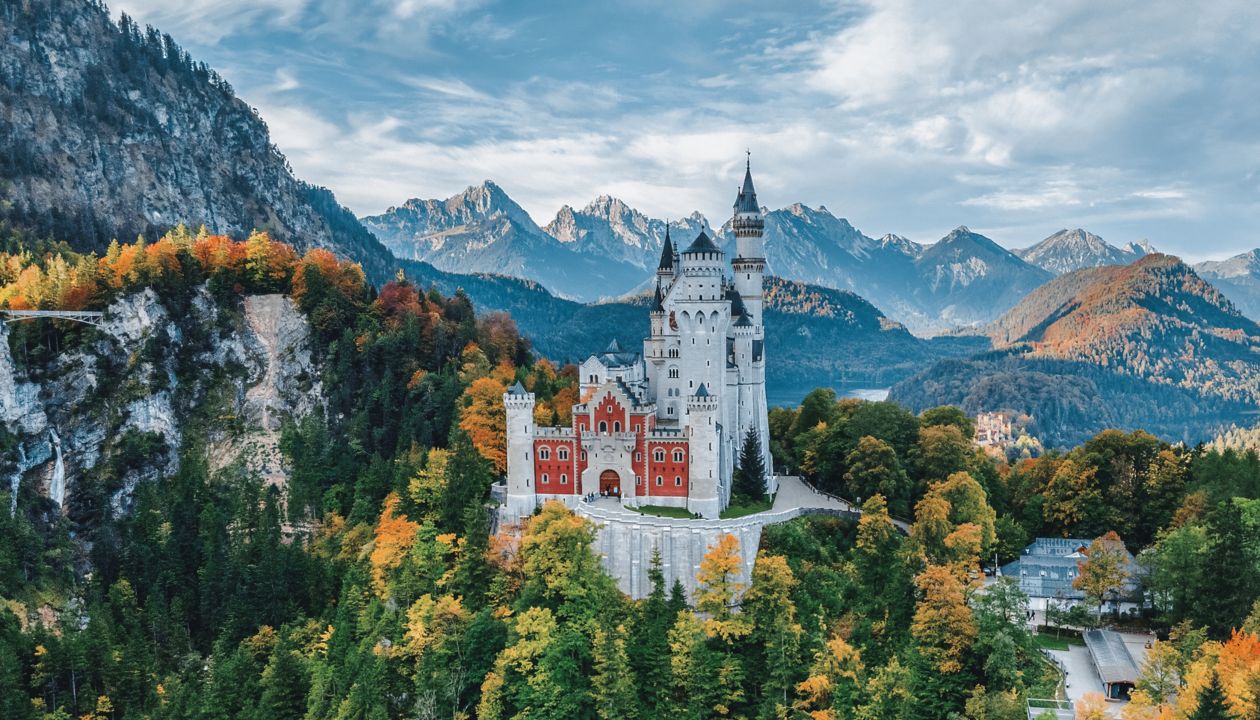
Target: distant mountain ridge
(1150, 344)
(110, 131)
(1069, 250)
(609, 249)
(483, 230)
(1238, 277)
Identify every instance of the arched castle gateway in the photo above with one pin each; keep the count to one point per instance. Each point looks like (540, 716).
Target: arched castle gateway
(664, 427)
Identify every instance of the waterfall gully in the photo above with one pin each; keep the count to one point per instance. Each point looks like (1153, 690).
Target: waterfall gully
(57, 488)
(15, 482)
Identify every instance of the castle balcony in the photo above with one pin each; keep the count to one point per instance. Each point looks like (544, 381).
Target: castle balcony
(565, 433)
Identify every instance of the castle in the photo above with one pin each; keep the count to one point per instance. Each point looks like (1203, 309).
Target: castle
(664, 427)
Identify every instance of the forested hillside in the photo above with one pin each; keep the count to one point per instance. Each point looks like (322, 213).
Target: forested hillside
(354, 573)
(112, 130)
(1148, 345)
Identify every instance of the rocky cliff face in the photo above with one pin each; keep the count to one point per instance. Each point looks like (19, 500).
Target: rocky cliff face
(114, 407)
(108, 131)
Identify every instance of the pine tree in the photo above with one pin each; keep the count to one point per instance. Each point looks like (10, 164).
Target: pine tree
(677, 599)
(612, 687)
(1212, 702)
(284, 684)
(649, 640)
(749, 482)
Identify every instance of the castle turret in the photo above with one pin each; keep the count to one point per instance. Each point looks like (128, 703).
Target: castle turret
(750, 262)
(665, 269)
(520, 501)
(706, 497)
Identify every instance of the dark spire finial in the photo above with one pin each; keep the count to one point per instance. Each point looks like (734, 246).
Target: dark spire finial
(667, 252)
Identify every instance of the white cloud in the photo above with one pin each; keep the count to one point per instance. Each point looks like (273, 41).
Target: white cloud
(911, 116)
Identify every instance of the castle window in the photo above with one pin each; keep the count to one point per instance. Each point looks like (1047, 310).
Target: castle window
(564, 479)
(544, 454)
(678, 456)
(659, 455)
(638, 479)
(678, 480)
(660, 480)
(616, 426)
(545, 480)
(603, 426)
(673, 373)
(563, 453)
(583, 456)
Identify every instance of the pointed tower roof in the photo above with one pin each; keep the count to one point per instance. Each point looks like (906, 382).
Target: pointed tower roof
(702, 391)
(658, 302)
(613, 347)
(517, 389)
(703, 244)
(746, 200)
(667, 252)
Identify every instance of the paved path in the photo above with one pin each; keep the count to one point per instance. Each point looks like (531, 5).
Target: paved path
(794, 494)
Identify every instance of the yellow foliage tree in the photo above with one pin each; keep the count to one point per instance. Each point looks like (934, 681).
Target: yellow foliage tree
(719, 585)
(943, 625)
(394, 536)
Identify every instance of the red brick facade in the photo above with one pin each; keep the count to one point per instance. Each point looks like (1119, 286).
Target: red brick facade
(559, 460)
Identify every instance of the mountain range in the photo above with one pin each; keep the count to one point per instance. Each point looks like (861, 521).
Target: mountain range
(1149, 345)
(608, 249)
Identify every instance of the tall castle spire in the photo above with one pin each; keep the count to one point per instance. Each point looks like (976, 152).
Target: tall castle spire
(667, 253)
(746, 199)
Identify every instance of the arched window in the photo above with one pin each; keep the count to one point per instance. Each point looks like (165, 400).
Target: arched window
(659, 455)
(616, 426)
(544, 479)
(678, 456)
(638, 457)
(660, 480)
(564, 479)
(563, 453)
(677, 480)
(673, 373)
(603, 426)
(544, 454)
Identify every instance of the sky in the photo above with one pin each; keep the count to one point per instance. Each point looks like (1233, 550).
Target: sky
(1134, 119)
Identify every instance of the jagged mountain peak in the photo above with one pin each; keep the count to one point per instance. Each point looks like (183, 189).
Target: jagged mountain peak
(1069, 250)
(901, 244)
(961, 240)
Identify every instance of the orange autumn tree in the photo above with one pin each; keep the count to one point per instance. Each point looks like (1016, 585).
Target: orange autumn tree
(483, 417)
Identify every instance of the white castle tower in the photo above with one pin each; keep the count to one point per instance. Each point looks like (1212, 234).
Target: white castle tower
(519, 404)
(750, 340)
(707, 496)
